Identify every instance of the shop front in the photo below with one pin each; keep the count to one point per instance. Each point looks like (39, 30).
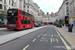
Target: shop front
(3, 17)
(74, 21)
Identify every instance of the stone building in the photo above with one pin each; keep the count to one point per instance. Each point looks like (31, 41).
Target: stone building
(72, 11)
(26, 5)
(64, 12)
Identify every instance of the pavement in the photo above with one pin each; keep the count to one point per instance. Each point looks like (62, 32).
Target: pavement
(2, 28)
(68, 36)
(9, 37)
(66, 29)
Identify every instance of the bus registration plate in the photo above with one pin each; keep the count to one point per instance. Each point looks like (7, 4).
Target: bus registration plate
(12, 25)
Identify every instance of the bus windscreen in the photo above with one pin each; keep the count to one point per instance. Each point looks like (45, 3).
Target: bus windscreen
(12, 15)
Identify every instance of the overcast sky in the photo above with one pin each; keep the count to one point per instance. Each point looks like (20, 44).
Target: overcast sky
(49, 5)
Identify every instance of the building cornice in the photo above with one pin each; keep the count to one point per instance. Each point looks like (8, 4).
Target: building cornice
(31, 5)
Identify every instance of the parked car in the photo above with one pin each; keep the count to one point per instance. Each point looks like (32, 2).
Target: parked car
(39, 24)
(36, 24)
(42, 24)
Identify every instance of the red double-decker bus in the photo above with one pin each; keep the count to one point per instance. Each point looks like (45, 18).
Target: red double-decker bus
(19, 19)
(45, 23)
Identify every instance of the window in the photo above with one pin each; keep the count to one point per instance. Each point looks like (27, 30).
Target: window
(24, 6)
(0, 6)
(27, 14)
(28, 22)
(74, 3)
(28, 1)
(12, 3)
(15, 4)
(25, 22)
(27, 6)
(4, 7)
(9, 2)
(27, 10)
(5, 1)
(67, 3)
(67, 8)
(0, 0)
(22, 12)
(24, 1)
(14, 11)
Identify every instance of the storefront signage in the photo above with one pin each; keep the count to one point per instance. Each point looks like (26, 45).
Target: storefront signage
(0, 20)
(74, 21)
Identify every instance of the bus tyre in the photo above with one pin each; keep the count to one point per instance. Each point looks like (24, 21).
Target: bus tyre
(23, 27)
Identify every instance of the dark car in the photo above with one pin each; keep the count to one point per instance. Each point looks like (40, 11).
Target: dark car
(42, 24)
(39, 24)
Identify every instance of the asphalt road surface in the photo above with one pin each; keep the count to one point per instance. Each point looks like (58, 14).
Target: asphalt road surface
(47, 38)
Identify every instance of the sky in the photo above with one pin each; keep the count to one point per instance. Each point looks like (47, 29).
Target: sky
(49, 5)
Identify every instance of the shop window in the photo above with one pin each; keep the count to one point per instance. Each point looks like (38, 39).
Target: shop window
(0, 6)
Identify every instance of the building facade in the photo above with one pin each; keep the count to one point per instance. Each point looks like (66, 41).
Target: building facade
(72, 11)
(64, 12)
(26, 5)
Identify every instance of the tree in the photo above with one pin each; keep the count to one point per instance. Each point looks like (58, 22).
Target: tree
(56, 20)
(41, 21)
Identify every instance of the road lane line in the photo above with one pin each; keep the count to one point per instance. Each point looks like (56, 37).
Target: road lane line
(57, 40)
(42, 38)
(68, 48)
(45, 35)
(51, 39)
(34, 40)
(46, 40)
(44, 30)
(52, 35)
(41, 33)
(26, 47)
(38, 35)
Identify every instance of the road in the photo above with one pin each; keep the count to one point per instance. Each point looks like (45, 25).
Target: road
(47, 38)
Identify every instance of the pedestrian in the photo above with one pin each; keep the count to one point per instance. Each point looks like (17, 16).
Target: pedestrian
(72, 25)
